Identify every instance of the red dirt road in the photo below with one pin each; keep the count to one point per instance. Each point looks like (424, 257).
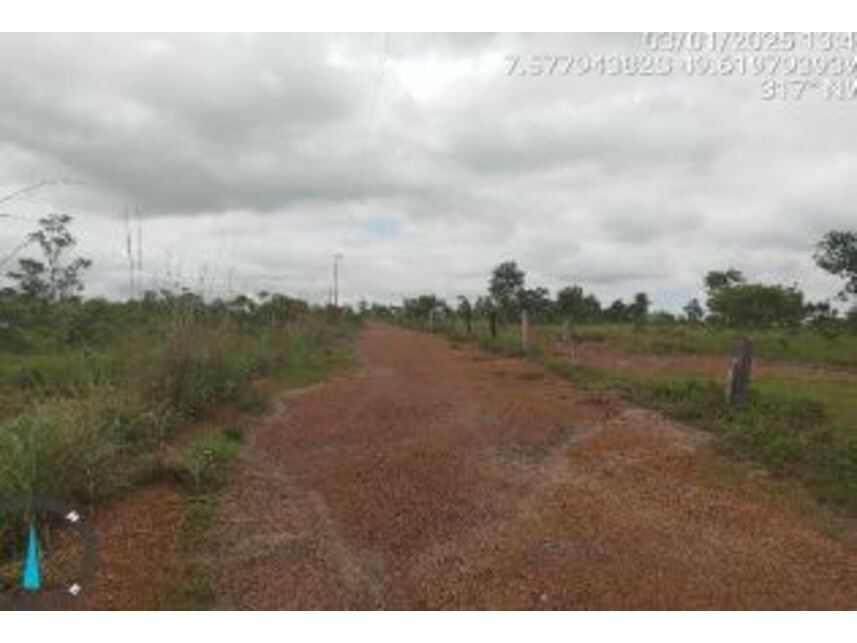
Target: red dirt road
(433, 478)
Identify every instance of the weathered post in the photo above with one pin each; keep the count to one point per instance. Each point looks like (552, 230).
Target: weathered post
(738, 377)
(431, 320)
(525, 330)
(568, 339)
(468, 320)
(493, 320)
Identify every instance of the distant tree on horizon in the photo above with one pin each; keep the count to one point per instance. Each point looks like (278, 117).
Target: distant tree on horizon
(836, 253)
(506, 286)
(54, 278)
(693, 311)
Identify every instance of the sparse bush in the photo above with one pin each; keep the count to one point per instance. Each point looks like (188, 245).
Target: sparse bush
(235, 432)
(101, 412)
(206, 462)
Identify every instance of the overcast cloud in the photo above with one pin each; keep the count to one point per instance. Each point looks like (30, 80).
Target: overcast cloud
(254, 159)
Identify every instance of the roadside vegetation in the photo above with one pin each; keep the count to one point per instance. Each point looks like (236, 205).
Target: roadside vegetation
(92, 391)
(803, 428)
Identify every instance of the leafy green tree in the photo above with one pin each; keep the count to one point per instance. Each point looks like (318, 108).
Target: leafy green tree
(57, 278)
(837, 254)
(735, 302)
(506, 286)
(639, 310)
(420, 307)
(718, 279)
(537, 301)
(617, 312)
(693, 311)
(465, 308)
(758, 305)
(484, 306)
(31, 276)
(572, 303)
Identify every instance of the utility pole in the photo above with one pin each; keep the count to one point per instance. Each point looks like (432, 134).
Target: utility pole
(336, 259)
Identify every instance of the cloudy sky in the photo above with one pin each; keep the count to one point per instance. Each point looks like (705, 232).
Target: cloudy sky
(252, 160)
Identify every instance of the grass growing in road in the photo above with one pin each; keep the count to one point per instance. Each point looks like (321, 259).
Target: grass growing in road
(204, 469)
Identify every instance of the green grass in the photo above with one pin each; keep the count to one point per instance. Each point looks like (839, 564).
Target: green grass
(206, 462)
(204, 469)
(804, 430)
(85, 423)
(798, 434)
(802, 345)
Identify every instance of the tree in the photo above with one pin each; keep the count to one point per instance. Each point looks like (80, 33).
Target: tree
(591, 308)
(758, 305)
(31, 278)
(505, 287)
(573, 304)
(569, 302)
(420, 307)
(693, 310)
(537, 301)
(55, 279)
(639, 310)
(617, 311)
(465, 311)
(484, 306)
(464, 306)
(837, 254)
(718, 279)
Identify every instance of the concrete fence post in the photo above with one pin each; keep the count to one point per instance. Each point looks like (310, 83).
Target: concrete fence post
(738, 376)
(525, 330)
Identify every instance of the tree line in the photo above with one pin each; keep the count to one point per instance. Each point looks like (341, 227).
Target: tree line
(731, 299)
(45, 297)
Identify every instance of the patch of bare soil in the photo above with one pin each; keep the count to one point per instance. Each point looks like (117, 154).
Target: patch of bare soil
(136, 538)
(438, 479)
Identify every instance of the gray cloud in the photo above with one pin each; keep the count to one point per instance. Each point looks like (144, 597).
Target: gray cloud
(254, 158)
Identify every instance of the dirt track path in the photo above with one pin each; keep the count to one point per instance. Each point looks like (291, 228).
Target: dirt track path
(440, 478)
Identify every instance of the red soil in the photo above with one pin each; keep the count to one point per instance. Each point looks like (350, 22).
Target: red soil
(440, 479)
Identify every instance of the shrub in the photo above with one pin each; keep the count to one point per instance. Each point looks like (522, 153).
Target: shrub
(207, 461)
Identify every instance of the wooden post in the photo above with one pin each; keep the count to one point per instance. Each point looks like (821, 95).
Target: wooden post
(493, 320)
(738, 377)
(468, 319)
(431, 320)
(525, 330)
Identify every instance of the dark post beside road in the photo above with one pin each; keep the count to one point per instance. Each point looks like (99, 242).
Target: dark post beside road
(525, 330)
(738, 377)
